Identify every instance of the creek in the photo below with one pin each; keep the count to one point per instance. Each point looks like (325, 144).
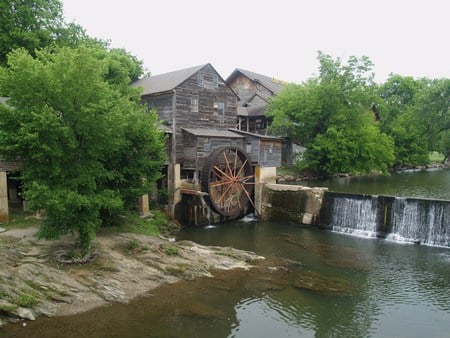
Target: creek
(313, 283)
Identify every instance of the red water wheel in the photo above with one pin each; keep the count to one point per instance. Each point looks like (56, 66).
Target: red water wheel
(228, 179)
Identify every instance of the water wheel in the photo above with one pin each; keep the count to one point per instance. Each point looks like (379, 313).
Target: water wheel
(228, 179)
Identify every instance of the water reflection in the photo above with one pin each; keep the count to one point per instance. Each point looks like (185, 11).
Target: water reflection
(312, 284)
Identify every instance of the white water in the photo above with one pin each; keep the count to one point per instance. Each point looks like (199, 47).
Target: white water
(355, 216)
(413, 223)
(411, 220)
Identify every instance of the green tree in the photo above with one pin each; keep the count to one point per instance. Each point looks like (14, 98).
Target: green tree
(37, 24)
(433, 113)
(87, 145)
(331, 115)
(400, 121)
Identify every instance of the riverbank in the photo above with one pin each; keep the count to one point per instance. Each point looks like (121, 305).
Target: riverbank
(36, 280)
(290, 175)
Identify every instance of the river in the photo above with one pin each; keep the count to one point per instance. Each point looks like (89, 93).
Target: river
(432, 183)
(312, 283)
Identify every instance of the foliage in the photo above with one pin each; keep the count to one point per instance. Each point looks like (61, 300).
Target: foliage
(433, 113)
(87, 145)
(398, 119)
(171, 251)
(416, 114)
(26, 299)
(332, 116)
(33, 25)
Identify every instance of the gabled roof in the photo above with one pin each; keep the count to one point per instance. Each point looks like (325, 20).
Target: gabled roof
(275, 86)
(167, 81)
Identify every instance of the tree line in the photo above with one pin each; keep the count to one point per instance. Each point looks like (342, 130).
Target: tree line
(350, 124)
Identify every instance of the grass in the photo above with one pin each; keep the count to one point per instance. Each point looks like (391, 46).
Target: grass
(434, 157)
(26, 300)
(133, 223)
(176, 270)
(19, 219)
(171, 251)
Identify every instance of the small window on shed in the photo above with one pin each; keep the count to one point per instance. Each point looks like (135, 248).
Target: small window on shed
(194, 104)
(259, 124)
(215, 80)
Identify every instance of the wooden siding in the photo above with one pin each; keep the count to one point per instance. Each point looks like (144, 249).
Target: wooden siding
(162, 104)
(197, 149)
(264, 152)
(208, 115)
(270, 153)
(10, 165)
(245, 88)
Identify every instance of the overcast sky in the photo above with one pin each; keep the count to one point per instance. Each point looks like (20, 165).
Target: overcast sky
(277, 38)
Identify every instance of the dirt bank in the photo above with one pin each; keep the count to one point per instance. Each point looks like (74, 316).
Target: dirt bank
(34, 280)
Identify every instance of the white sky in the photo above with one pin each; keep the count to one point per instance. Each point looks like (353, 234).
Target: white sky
(277, 38)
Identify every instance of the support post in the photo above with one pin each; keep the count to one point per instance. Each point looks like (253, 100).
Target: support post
(4, 210)
(174, 185)
(143, 205)
(263, 175)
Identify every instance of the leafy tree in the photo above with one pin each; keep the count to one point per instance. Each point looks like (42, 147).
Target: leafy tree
(399, 120)
(87, 145)
(331, 115)
(416, 114)
(433, 113)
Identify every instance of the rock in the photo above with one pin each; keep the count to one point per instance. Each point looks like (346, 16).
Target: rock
(315, 282)
(2, 229)
(24, 313)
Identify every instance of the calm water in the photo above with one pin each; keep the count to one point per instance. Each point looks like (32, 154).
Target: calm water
(312, 284)
(433, 183)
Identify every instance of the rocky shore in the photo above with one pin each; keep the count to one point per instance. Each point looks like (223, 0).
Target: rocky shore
(39, 277)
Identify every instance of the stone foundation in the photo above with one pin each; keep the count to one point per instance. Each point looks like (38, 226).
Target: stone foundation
(292, 202)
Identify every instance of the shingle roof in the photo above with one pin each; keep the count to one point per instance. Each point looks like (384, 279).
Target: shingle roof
(273, 85)
(211, 133)
(167, 81)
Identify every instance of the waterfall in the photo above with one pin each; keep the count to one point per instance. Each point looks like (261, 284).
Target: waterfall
(420, 221)
(400, 219)
(355, 215)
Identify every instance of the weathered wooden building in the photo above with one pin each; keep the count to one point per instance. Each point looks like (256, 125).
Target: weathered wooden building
(254, 91)
(200, 112)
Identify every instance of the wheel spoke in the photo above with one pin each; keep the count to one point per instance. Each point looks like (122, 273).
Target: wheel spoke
(220, 171)
(228, 164)
(229, 181)
(223, 195)
(235, 163)
(242, 167)
(249, 198)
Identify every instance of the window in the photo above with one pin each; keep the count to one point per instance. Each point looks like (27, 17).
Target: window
(221, 108)
(215, 80)
(258, 124)
(200, 79)
(194, 104)
(149, 105)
